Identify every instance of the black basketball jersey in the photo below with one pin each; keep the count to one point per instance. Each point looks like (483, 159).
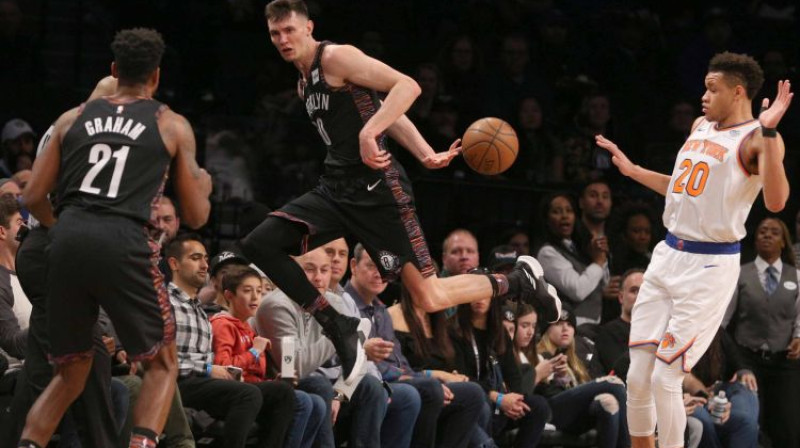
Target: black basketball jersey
(113, 159)
(338, 114)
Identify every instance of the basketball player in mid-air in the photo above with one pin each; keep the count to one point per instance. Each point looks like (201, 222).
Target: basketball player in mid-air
(364, 192)
(108, 161)
(728, 158)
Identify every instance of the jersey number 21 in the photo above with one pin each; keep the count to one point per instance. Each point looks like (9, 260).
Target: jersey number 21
(99, 156)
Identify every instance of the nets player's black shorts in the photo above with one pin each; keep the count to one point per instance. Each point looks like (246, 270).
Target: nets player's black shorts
(374, 207)
(110, 261)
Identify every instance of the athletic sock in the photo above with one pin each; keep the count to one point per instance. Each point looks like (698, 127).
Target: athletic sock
(143, 438)
(500, 285)
(25, 443)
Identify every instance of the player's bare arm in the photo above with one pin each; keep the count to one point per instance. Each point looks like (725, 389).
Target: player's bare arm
(105, 87)
(768, 151)
(192, 183)
(44, 176)
(407, 135)
(345, 63)
(655, 181)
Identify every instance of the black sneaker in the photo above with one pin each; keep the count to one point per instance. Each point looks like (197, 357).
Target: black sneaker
(348, 335)
(534, 290)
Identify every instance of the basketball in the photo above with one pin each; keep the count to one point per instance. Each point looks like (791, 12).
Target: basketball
(490, 146)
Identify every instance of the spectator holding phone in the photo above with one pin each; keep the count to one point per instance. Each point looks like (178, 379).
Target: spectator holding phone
(237, 347)
(577, 402)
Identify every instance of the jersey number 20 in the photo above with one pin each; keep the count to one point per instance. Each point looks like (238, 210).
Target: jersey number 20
(698, 175)
(99, 156)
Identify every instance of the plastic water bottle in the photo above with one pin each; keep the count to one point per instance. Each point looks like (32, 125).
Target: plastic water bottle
(718, 407)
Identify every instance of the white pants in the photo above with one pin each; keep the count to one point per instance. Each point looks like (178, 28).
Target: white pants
(678, 311)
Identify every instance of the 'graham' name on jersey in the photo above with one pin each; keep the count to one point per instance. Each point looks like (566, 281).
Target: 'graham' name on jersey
(117, 125)
(317, 101)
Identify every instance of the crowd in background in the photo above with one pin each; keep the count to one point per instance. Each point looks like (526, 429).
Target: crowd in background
(559, 72)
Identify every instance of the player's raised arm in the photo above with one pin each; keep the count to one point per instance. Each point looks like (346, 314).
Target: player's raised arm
(192, 183)
(45, 171)
(655, 181)
(770, 149)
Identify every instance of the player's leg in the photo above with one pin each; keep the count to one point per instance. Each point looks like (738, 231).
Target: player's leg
(640, 402)
(46, 413)
(158, 388)
(526, 282)
(701, 287)
(300, 226)
(135, 297)
(649, 319)
(386, 223)
(72, 315)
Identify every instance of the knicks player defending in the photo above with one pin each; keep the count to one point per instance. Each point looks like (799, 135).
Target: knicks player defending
(364, 192)
(108, 161)
(729, 157)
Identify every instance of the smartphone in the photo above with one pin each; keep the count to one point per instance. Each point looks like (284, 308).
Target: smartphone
(561, 351)
(235, 372)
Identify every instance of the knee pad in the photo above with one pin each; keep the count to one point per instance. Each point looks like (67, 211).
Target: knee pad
(608, 402)
(667, 378)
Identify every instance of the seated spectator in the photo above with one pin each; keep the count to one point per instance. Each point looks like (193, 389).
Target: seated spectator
(18, 147)
(425, 341)
(764, 319)
(15, 308)
(518, 239)
(611, 340)
(363, 288)
(486, 356)
(635, 237)
(578, 279)
(236, 344)
(8, 186)
(210, 295)
(509, 313)
(205, 385)
(369, 409)
(541, 151)
(579, 403)
(463, 76)
(722, 369)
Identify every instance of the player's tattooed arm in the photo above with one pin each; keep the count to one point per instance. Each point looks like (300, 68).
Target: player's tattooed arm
(192, 183)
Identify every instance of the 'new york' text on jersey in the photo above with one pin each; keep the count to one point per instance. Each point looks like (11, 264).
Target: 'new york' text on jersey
(710, 193)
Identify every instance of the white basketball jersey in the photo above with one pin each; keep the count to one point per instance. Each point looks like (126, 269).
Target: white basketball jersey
(711, 192)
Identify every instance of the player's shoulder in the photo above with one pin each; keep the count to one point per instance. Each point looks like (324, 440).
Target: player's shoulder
(697, 122)
(337, 54)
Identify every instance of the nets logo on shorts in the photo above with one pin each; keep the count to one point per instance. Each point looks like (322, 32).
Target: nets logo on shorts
(389, 261)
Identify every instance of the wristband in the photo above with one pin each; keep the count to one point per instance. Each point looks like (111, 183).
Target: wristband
(769, 132)
(255, 353)
(498, 401)
(428, 373)
(208, 369)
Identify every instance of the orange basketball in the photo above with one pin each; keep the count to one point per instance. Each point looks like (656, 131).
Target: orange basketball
(490, 146)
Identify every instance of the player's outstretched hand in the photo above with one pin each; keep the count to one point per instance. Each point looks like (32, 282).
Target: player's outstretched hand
(442, 159)
(618, 157)
(372, 155)
(771, 115)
